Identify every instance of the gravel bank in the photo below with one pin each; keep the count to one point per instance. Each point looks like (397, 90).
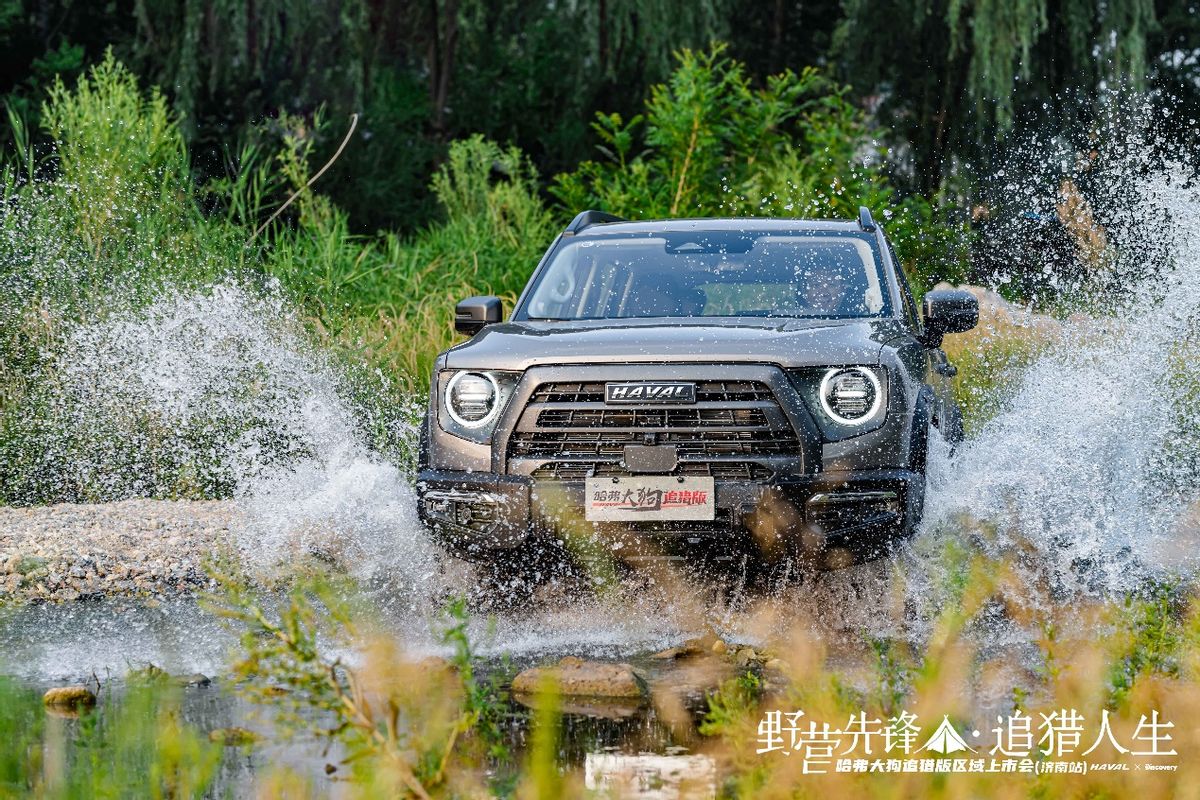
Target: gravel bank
(146, 548)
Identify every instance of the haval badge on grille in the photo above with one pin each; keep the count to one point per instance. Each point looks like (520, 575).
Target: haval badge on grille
(649, 392)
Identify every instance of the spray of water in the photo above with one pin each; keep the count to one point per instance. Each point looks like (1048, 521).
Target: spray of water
(233, 387)
(1086, 471)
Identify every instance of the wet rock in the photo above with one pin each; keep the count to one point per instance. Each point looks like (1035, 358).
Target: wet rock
(234, 736)
(746, 656)
(698, 644)
(578, 678)
(151, 673)
(69, 697)
(719, 647)
(195, 679)
(776, 665)
(615, 708)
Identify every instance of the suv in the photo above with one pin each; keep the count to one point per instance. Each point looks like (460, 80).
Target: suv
(747, 383)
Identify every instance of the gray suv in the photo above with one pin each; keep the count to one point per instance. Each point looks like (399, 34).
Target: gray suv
(749, 385)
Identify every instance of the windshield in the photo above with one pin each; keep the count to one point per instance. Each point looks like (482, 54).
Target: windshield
(711, 274)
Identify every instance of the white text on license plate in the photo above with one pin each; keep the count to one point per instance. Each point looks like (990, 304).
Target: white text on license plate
(648, 498)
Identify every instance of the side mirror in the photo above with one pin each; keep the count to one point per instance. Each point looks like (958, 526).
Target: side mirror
(472, 314)
(948, 311)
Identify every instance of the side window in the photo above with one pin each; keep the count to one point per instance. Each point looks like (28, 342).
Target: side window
(906, 297)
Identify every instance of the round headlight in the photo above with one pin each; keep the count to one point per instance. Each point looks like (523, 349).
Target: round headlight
(472, 398)
(850, 395)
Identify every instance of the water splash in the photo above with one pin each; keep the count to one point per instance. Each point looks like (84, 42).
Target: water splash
(1085, 472)
(234, 390)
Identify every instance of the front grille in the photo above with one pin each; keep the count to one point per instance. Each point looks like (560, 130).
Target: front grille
(608, 442)
(706, 392)
(650, 417)
(721, 470)
(731, 424)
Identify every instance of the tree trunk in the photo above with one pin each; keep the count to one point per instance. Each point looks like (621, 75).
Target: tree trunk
(777, 36)
(602, 33)
(442, 45)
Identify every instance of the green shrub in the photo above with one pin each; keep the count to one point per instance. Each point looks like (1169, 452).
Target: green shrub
(711, 144)
(119, 215)
(390, 299)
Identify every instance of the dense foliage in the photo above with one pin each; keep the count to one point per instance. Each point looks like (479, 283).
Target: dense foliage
(945, 80)
(710, 143)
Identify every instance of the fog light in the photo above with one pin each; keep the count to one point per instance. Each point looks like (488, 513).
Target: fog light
(478, 511)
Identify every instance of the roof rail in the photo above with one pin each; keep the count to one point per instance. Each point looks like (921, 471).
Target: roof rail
(864, 219)
(586, 219)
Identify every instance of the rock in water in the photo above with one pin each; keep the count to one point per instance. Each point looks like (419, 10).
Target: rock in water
(195, 679)
(578, 678)
(69, 697)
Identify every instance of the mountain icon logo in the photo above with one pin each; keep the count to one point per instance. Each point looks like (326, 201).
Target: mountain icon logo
(946, 739)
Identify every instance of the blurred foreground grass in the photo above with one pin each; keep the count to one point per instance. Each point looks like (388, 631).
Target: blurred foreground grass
(428, 727)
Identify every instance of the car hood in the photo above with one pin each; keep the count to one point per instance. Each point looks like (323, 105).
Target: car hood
(788, 343)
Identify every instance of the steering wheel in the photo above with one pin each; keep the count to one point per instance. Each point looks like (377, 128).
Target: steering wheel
(565, 295)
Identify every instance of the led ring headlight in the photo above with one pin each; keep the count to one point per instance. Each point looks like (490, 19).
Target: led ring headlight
(850, 395)
(472, 399)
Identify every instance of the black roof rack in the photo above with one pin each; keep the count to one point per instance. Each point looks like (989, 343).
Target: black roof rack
(864, 219)
(586, 219)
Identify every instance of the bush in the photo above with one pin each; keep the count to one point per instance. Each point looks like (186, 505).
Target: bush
(711, 144)
(390, 299)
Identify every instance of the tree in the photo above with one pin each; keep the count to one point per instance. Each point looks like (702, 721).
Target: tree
(952, 76)
(711, 143)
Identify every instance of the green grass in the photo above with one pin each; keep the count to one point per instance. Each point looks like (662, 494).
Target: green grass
(137, 746)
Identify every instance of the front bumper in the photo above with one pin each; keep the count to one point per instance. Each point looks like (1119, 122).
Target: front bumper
(475, 514)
